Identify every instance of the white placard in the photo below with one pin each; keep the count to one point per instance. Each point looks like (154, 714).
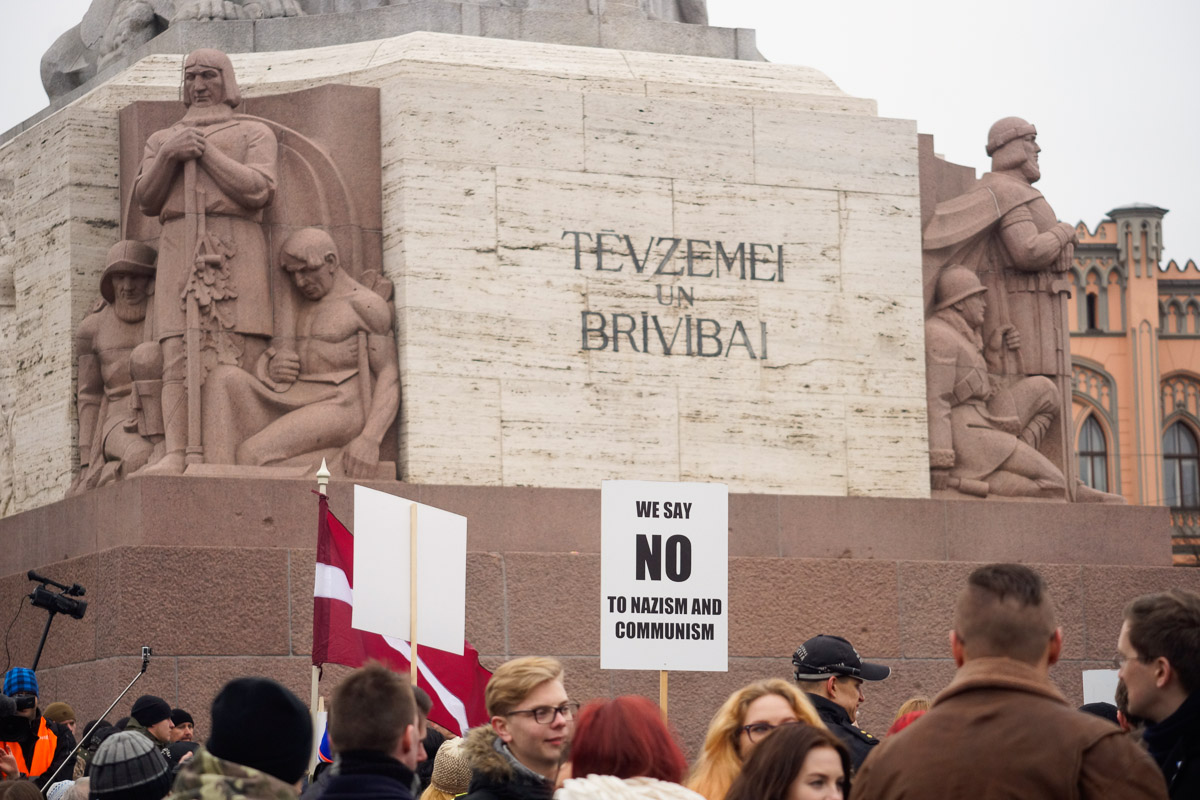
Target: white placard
(381, 573)
(664, 576)
(1100, 686)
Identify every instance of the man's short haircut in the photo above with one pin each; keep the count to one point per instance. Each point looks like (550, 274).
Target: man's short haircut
(1005, 611)
(514, 680)
(370, 709)
(1167, 625)
(424, 701)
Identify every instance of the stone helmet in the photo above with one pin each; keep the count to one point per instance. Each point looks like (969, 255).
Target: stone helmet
(126, 257)
(1006, 130)
(956, 283)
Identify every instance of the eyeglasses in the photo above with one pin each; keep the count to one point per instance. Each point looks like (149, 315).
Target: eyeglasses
(759, 730)
(1119, 661)
(544, 715)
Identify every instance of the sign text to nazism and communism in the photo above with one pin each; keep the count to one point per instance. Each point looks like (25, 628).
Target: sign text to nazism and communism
(664, 576)
(666, 259)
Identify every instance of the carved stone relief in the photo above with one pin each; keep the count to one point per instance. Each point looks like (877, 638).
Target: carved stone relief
(997, 341)
(265, 338)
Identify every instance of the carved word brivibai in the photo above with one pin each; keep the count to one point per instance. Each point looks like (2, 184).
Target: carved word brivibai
(701, 337)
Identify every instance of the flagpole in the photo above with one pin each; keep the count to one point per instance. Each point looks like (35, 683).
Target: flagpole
(313, 705)
(412, 589)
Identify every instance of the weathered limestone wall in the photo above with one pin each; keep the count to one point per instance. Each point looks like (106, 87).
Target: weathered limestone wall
(61, 181)
(492, 152)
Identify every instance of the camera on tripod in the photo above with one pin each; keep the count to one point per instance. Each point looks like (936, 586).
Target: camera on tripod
(61, 603)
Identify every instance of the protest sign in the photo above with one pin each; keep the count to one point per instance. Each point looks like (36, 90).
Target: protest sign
(664, 576)
(382, 561)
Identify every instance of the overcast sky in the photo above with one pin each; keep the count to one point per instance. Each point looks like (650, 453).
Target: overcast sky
(1113, 87)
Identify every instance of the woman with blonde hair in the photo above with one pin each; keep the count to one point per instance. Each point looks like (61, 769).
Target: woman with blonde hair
(744, 720)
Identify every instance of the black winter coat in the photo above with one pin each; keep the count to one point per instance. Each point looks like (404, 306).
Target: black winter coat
(1175, 745)
(857, 741)
(364, 775)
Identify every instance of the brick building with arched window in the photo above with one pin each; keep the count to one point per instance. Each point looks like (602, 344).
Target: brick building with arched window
(1135, 348)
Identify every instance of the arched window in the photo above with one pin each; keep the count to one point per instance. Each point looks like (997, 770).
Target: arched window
(1092, 318)
(1093, 455)
(1181, 467)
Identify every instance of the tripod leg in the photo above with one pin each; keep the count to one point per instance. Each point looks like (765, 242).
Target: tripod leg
(42, 643)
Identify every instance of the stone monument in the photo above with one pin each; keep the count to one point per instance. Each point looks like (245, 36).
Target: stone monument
(261, 350)
(1003, 231)
(562, 262)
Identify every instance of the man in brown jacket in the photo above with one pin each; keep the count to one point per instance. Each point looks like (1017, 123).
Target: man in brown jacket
(1001, 728)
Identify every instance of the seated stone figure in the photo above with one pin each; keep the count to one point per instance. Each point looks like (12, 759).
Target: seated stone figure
(339, 394)
(983, 433)
(120, 422)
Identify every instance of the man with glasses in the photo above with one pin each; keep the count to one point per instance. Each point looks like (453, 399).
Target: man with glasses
(532, 720)
(830, 671)
(1158, 656)
(37, 746)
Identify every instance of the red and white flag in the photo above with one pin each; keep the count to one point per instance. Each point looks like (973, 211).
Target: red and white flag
(455, 683)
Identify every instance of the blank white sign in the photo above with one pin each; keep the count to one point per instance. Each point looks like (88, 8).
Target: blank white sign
(1099, 685)
(381, 570)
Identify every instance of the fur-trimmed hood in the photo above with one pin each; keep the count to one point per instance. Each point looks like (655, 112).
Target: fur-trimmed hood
(494, 775)
(480, 750)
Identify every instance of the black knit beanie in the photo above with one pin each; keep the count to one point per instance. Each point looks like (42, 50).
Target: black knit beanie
(179, 716)
(150, 710)
(258, 723)
(127, 766)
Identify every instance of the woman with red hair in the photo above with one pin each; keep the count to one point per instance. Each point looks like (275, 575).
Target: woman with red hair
(623, 749)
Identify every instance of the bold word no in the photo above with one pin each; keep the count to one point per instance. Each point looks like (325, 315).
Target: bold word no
(650, 560)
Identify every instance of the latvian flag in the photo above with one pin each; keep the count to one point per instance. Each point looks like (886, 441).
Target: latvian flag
(455, 683)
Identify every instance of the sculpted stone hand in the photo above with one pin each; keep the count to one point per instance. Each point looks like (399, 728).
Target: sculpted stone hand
(1005, 336)
(186, 144)
(361, 457)
(284, 367)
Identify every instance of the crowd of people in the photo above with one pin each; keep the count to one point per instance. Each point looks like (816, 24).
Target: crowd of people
(999, 729)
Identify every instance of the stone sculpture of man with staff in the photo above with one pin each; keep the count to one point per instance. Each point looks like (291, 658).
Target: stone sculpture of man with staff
(208, 179)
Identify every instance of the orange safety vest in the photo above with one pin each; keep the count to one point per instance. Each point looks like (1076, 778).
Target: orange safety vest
(43, 751)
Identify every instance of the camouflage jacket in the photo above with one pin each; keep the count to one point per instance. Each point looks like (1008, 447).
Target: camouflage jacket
(206, 777)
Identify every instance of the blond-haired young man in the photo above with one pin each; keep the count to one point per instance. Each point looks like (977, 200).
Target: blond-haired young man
(517, 755)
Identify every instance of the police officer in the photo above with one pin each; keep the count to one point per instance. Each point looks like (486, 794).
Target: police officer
(831, 672)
